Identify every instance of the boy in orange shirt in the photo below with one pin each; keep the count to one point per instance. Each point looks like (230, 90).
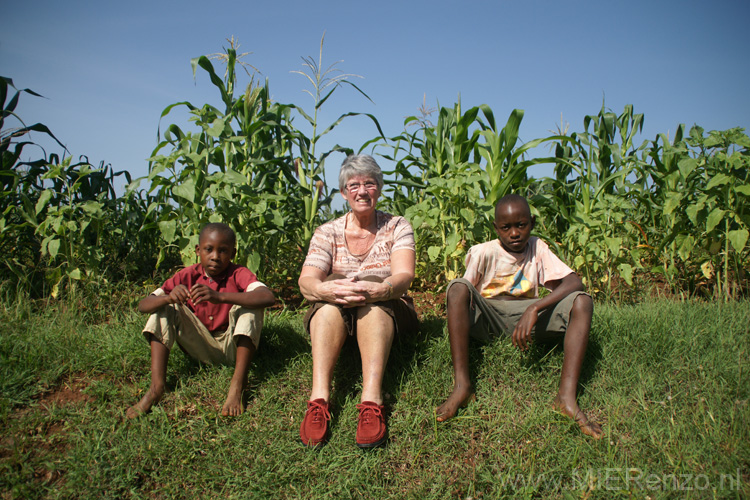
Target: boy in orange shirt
(499, 294)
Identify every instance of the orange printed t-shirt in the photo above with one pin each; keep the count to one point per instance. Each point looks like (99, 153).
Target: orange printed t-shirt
(494, 271)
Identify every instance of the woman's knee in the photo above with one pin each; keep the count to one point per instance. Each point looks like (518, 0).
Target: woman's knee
(326, 315)
(373, 310)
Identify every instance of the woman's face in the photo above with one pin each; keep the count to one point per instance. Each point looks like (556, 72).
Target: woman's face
(362, 193)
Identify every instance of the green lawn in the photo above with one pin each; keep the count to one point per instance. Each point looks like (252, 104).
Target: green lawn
(668, 380)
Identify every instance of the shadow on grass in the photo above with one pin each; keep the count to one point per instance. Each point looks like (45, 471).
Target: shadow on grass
(405, 355)
(281, 342)
(537, 362)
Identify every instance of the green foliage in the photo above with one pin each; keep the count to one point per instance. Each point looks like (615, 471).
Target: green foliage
(700, 189)
(448, 178)
(586, 209)
(73, 220)
(229, 170)
(666, 379)
(19, 248)
(310, 165)
(626, 215)
(54, 214)
(615, 208)
(438, 186)
(246, 165)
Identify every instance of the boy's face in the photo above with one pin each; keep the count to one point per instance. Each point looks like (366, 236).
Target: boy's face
(513, 224)
(215, 251)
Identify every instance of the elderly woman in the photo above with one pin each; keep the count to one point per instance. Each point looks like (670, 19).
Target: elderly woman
(356, 274)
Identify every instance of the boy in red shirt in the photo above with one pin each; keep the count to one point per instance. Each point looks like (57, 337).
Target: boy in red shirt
(213, 309)
(499, 294)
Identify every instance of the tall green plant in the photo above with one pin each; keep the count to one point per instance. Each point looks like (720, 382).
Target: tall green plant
(701, 183)
(437, 184)
(76, 219)
(448, 177)
(587, 207)
(310, 166)
(506, 161)
(236, 167)
(21, 185)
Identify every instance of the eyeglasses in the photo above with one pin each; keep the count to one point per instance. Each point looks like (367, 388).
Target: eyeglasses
(354, 186)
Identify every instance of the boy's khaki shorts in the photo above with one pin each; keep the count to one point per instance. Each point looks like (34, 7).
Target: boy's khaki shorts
(492, 317)
(176, 322)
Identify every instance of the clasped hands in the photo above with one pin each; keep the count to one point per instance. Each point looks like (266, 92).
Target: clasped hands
(351, 292)
(197, 293)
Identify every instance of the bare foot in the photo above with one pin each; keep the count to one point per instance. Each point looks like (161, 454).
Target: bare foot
(459, 398)
(573, 411)
(233, 406)
(148, 400)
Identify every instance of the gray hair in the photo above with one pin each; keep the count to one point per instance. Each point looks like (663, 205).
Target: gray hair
(364, 165)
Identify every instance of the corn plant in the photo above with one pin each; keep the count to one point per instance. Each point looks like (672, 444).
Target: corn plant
(662, 186)
(237, 168)
(448, 177)
(587, 207)
(21, 185)
(701, 184)
(310, 165)
(505, 163)
(437, 185)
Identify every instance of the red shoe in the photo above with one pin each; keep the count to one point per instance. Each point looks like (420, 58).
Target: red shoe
(371, 429)
(314, 429)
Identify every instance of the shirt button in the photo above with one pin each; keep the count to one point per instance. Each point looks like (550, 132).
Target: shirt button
(211, 318)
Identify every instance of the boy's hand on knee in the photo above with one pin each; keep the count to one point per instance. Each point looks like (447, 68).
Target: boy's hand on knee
(522, 332)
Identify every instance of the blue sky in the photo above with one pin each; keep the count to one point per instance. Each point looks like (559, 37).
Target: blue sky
(108, 69)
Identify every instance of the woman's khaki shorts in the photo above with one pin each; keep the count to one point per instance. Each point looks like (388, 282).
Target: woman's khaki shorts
(492, 317)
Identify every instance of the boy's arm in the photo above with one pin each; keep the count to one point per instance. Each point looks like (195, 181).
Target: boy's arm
(153, 303)
(258, 298)
(522, 333)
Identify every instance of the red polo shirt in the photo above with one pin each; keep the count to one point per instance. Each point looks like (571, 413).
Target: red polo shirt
(215, 316)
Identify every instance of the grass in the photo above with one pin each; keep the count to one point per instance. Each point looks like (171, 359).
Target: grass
(667, 379)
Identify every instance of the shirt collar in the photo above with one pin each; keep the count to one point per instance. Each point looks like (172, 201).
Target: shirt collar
(218, 279)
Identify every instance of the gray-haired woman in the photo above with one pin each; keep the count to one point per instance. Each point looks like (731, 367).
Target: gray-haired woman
(356, 274)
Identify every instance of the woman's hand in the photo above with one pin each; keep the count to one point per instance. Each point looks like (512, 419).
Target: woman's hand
(347, 292)
(365, 291)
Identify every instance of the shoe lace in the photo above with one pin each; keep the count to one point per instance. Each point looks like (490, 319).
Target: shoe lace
(368, 413)
(318, 411)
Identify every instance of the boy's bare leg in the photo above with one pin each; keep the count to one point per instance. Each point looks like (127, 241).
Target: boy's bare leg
(459, 303)
(159, 359)
(245, 350)
(574, 348)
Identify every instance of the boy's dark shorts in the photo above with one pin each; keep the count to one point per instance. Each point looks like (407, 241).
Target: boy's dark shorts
(405, 320)
(492, 317)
